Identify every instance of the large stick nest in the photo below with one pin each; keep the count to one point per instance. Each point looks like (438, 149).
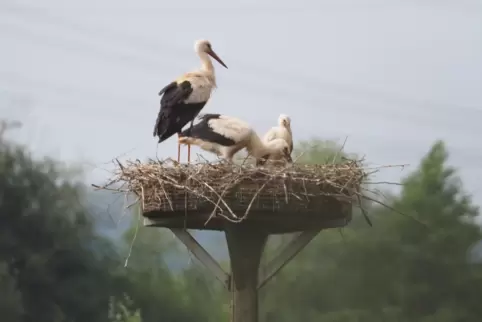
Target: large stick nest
(233, 191)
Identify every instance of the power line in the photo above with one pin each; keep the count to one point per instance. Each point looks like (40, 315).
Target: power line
(304, 80)
(277, 93)
(287, 93)
(73, 46)
(79, 111)
(371, 138)
(149, 68)
(279, 8)
(66, 91)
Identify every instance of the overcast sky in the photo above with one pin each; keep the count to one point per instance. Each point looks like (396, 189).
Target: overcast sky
(392, 75)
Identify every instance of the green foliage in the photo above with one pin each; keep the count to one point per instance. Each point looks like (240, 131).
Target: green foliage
(153, 289)
(399, 270)
(47, 241)
(317, 151)
(312, 151)
(204, 295)
(11, 307)
(119, 310)
(436, 256)
(54, 267)
(192, 295)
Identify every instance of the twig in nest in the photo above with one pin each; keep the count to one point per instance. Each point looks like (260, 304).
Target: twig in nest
(161, 183)
(340, 230)
(132, 203)
(221, 198)
(143, 198)
(216, 207)
(119, 164)
(339, 150)
(254, 197)
(364, 212)
(106, 187)
(167, 198)
(392, 209)
(133, 239)
(286, 191)
(384, 182)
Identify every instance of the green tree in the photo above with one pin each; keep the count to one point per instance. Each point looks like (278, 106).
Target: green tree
(119, 310)
(399, 270)
(204, 295)
(11, 308)
(154, 290)
(437, 276)
(318, 151)
(54, 268)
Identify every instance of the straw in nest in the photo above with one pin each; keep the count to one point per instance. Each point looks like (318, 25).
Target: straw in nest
(234, 190)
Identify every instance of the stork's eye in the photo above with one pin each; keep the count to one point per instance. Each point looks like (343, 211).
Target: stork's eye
(208, 45)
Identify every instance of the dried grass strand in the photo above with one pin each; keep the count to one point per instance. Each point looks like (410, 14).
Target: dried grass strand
(227, 188)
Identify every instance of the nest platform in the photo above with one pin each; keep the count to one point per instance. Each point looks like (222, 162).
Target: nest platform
(274, 199)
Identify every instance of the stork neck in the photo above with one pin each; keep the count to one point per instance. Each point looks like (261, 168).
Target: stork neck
(269, 147)
(258, 147)
(206, 63)
(207, 67)
(283, 126)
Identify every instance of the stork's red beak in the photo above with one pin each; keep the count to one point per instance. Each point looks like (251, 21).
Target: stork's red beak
(213, 55)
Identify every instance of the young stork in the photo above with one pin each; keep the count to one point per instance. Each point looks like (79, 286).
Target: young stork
(282, 131)
(225, 136)
(184, 98)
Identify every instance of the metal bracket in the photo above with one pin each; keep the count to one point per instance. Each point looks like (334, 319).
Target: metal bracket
(285, 255)
(202, 255)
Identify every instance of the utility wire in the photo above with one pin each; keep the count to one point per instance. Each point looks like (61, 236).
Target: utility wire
(285, 94)
(312, 99)
(305, 81)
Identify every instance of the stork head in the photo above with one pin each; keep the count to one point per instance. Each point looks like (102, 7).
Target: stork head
(280, 148)
(204, 46)
(284, 120)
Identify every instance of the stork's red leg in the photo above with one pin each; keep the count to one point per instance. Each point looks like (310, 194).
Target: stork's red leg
(189, 146)
(178, 150)
(188, 153)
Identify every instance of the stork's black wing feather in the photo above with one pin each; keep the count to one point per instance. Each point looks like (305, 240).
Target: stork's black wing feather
(167, 88)
(175, 93)
(207, 116)
(173, 96)
(203, 131)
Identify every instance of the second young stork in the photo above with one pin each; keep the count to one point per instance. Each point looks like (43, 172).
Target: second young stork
(184, 98)
(282, 131)
(226, 135)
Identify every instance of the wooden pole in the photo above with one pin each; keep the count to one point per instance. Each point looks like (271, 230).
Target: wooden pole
(245, 246)
(202, 255)
(285, 255)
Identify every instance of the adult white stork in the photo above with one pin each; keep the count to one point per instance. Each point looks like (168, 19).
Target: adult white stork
(282, 131)
(226, 135)
(184, 98)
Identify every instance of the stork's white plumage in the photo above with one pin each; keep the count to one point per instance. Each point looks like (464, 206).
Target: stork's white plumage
(282, 131)
(225, 136)
(184, 98)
